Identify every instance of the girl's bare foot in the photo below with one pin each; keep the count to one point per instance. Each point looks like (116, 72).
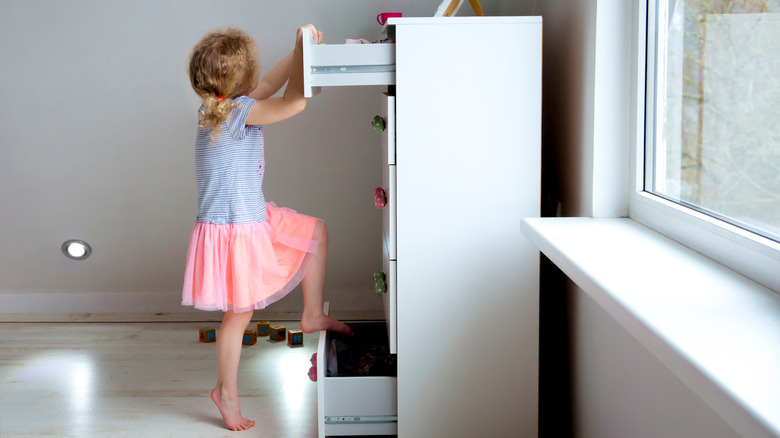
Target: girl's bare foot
(231, 411)
(316, 322)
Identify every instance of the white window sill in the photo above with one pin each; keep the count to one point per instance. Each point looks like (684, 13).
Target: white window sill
(716, 330)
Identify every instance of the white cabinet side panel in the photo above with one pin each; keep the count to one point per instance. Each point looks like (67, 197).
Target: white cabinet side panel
(468, 130)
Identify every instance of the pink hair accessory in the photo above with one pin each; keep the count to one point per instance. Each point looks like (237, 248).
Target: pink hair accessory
(219, 99)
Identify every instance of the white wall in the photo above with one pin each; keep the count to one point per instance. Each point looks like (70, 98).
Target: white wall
(618, 389)
(586, 78)
(97, 128)
(621, 390)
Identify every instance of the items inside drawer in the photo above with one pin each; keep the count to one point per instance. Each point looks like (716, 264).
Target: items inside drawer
(365, 354)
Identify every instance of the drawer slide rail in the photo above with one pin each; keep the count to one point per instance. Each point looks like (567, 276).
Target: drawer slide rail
(376, 419)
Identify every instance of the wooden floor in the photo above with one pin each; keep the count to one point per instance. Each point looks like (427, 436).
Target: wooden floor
(145, 380)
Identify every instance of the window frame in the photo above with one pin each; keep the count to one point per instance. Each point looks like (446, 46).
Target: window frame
(750, 254)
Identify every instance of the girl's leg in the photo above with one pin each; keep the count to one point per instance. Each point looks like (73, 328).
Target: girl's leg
(313, 284)
(225, 393)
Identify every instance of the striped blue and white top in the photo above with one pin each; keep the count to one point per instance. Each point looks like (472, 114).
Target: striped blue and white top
(229, 170)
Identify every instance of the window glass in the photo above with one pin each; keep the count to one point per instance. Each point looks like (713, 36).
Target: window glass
(714, 125)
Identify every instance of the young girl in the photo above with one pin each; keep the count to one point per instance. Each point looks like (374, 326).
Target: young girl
(246, 253)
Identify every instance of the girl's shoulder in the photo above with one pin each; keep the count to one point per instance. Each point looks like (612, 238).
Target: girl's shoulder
(241, 107)
(238, 118)
(244, 98)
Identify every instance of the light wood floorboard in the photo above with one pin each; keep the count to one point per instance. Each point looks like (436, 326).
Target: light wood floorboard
(145, 380)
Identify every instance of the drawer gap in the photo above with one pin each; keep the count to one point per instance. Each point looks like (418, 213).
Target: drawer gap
(366, 354)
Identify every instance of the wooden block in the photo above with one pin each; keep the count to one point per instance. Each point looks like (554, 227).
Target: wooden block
(262, 328)
(278, 333)
(250, 337)
(294, 338)
(208, 334)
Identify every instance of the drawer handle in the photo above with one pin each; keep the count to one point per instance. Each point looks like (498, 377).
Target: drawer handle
(380, 285)
(379, 124)
(380, 198)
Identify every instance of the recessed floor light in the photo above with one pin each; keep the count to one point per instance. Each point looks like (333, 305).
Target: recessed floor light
(76, 249)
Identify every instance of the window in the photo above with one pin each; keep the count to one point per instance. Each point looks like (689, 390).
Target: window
(717, 110)
(708, 171)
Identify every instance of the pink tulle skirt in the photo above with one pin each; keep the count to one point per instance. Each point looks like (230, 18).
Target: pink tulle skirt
(242, 267)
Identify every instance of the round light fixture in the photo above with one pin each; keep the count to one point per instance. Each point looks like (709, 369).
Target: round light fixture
(76, 249)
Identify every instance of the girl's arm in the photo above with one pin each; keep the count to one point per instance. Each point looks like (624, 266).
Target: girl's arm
(274, 80)
(273, 109)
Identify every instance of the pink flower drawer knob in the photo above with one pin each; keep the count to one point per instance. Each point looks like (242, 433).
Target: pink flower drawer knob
(380, 199)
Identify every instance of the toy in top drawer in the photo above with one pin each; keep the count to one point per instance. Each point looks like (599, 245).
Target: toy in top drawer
(331, 65)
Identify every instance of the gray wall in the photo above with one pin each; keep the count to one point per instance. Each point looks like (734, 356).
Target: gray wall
(96, 133)
(97, 129)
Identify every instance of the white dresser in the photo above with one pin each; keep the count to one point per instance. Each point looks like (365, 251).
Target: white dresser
(461, 165)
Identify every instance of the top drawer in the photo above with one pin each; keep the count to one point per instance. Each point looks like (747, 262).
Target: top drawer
(331, 65)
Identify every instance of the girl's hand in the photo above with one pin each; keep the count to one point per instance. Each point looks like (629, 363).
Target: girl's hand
(315, 34)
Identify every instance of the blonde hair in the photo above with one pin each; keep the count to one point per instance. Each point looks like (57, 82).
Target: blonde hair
(223, 66)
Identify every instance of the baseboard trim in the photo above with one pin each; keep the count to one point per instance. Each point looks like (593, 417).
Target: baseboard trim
(158, 307)
(172, 317)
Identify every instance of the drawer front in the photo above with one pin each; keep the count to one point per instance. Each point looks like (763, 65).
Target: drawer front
(387, 129)
(330, 65)
(388, 135)
(390, 301)
(389, 211)
(389, 214)
(354, 405)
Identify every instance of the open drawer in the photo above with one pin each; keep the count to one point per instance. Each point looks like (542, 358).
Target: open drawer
(356, 382)
(331, 65)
